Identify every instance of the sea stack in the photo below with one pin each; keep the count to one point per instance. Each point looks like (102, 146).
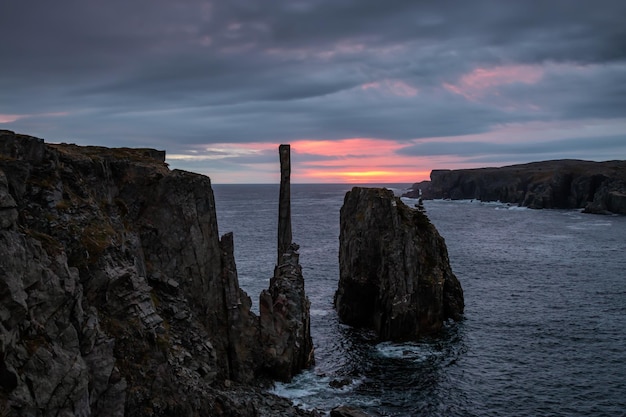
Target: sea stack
(284, 202)
(284, 307)
(395, 276)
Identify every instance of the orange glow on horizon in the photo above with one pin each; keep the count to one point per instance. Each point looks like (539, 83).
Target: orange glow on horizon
(356, 160)
(350, 160)
(366, 176)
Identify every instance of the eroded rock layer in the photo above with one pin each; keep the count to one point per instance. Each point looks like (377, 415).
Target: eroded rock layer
(395, 276)
(117, 295)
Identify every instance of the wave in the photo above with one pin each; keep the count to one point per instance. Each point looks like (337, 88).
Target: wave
(312, 391)
(414, 352)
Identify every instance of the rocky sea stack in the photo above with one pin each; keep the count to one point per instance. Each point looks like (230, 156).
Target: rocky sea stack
(596, 187)
(118, 297)
(395, 276)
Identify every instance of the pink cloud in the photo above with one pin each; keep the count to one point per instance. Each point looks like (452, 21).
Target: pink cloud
(8, 118)
(357, 160)
(485, 81)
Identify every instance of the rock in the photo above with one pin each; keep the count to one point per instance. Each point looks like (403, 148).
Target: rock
(340, 383)
(395, 276)
(284, 202)
(244, 329)
(285, 320)
(117, 296)
(346, 411)
(8, 207)
(565, 184)
(284, 308)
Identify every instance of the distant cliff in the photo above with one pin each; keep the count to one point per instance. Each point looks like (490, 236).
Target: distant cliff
(119, 298)
(596, 187)
(395, 276)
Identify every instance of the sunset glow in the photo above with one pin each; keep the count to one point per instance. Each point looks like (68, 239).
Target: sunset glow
(355, 160)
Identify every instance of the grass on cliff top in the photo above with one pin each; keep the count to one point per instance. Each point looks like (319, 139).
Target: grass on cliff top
(142, 155)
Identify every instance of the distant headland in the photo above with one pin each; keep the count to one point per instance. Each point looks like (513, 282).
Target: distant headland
(595, 187)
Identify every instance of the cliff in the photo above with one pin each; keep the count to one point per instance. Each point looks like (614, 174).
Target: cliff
(395, 276)
(118, 296)
(596, 187)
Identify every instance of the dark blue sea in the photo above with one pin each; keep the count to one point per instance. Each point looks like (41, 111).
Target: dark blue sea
(544, 332)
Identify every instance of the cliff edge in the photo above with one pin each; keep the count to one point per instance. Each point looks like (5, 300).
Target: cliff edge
(395, 275)
(596, 187)
(118, 297)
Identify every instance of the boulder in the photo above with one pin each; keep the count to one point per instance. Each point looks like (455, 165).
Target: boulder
(395, 276)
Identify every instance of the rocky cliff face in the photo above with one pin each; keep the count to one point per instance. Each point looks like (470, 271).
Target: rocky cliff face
(598, 187)
(117, 295)
(395, 276)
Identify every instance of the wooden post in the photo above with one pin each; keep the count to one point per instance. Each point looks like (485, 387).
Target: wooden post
(284, 202)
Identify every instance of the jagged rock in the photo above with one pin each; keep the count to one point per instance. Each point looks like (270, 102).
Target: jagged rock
(117, 296)
(285, 320)
(284, 308)
(8, 207)
(598, 187)
(395, 276)
(346, 411)
(244, 327)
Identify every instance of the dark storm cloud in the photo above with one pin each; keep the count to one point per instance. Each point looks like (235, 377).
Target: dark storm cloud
(578, 146)
(173, 74)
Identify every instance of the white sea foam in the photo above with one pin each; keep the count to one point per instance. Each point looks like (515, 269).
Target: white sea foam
(409, 351)
(319, 312)
(310, 391)
(590, 225)
(304, 386)
(517, 208)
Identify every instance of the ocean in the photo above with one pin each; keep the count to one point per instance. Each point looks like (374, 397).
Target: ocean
(544, 332)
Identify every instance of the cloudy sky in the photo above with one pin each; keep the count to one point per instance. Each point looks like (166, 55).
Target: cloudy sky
(364, 90)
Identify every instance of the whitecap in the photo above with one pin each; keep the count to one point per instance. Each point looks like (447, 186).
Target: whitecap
(409, 351)
(311, 391)
(590, 225)
(319, 312)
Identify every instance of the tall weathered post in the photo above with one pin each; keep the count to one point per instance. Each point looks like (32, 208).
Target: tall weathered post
(284, 307)
(284, 202)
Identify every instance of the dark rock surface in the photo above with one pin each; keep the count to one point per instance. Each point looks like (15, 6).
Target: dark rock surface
(597, 187)
(395, 276)
(345, 411)
(284, 307)
(285, 320)
(118, 297)
(284, 203)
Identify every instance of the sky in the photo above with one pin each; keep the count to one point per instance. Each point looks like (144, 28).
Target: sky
(363, 90)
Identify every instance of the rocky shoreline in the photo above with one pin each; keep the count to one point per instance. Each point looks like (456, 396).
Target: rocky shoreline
(595, 187)
(118, 297)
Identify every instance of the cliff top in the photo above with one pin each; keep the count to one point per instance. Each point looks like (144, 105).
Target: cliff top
(578, 166)
(31, 149)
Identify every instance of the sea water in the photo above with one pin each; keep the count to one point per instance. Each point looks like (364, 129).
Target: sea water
(544, 332)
